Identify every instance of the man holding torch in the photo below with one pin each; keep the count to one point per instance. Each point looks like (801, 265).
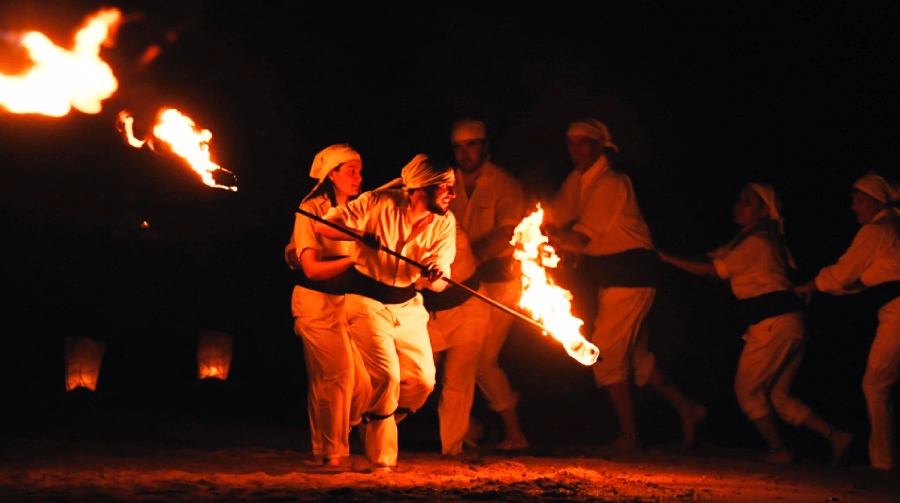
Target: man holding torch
(596, 217)
(385, 314)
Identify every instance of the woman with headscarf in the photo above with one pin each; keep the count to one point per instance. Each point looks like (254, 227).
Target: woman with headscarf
(338, 385)
(872, 263)
(757, 264)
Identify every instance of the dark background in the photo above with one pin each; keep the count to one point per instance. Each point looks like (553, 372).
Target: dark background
(700, 98)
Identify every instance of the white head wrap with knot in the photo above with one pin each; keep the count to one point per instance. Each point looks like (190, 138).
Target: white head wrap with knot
(331, 157)
(880, 188)
(593, 129)
(327, 160)
(467, 130)
(770, 198)
(420, 172)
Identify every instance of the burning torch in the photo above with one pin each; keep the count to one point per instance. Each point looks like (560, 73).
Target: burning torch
(582, 350)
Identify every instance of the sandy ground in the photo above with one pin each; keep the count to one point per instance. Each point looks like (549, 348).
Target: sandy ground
(232, 463)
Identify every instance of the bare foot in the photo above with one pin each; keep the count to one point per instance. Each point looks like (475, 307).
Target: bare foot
(513, 444)
(840, 441)
(627, 443)
(690, 419)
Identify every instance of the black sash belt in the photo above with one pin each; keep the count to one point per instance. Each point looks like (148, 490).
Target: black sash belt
(361, 284)
(767, 305)
(635, 268)
(450, 297)
(336, 285)
(883, 293)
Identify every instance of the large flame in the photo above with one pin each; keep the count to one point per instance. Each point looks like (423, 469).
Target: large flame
(548, 303)
(183, 138)
(61, 79)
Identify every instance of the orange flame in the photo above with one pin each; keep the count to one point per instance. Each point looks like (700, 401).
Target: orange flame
(179, 133)
(62, 79)
(548, 304)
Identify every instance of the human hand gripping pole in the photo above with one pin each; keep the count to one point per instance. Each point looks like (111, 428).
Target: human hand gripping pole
(430, 271)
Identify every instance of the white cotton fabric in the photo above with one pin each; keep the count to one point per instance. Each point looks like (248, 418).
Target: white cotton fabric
(330, 158)
(468, 130)
(880, 188)
(770, 198)
(594, 129)
(420, 172)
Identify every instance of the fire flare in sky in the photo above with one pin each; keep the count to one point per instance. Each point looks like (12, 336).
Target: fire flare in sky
(183, 138)
(61, 79)
(548, 303)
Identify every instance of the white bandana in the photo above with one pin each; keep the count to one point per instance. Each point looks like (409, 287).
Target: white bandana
(770, 198)
(878, 187)
(594, 129)
(467, 130)
(330, 158)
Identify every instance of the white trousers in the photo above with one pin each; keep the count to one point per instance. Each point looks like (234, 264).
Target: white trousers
(457, 336)
(393, 343)
(491, 379)
(882, 372)
(621, 337)
(773, 350)
(338, 387)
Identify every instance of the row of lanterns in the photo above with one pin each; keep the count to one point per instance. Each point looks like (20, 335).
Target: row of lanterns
(84, 357)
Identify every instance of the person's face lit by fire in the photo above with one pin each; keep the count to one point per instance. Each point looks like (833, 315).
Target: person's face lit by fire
(438, 197)
(583, 151)
(865, 206)
(347, 178)
(749, 208)
(470, 154)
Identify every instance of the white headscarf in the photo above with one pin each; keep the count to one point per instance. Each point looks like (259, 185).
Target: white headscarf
(594, 129)
(878, 187)
(420, 172)
(467, 130)
(327, 160)
(331, 157)
(770, 198)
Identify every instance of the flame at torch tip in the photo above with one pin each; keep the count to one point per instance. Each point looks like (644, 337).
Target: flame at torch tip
(548, 303)
(184, 139)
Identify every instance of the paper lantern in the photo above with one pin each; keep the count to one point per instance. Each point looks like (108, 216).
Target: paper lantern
(83, 359)
(214, 354)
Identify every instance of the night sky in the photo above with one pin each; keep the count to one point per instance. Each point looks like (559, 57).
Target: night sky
(701, 98)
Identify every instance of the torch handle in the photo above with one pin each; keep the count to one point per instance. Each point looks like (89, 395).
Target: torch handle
(457, 284)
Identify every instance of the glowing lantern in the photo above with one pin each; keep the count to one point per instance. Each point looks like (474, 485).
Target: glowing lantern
(214, 354)
(178, 134)
(548, 303)
(60, 79)
(83, 359)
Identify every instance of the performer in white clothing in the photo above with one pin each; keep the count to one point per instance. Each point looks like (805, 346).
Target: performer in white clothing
(872, 265)
(756, 263)
(338, 385)
(596, 218)
(490, 204)
(457, 327)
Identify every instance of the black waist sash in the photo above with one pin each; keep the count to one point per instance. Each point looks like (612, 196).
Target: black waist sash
(336, 285)
(451, 297)
(882, 293)
(767, 305)
(634, 268)
(360, 284)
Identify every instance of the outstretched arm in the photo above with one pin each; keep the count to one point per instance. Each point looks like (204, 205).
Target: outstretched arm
(693, 266)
